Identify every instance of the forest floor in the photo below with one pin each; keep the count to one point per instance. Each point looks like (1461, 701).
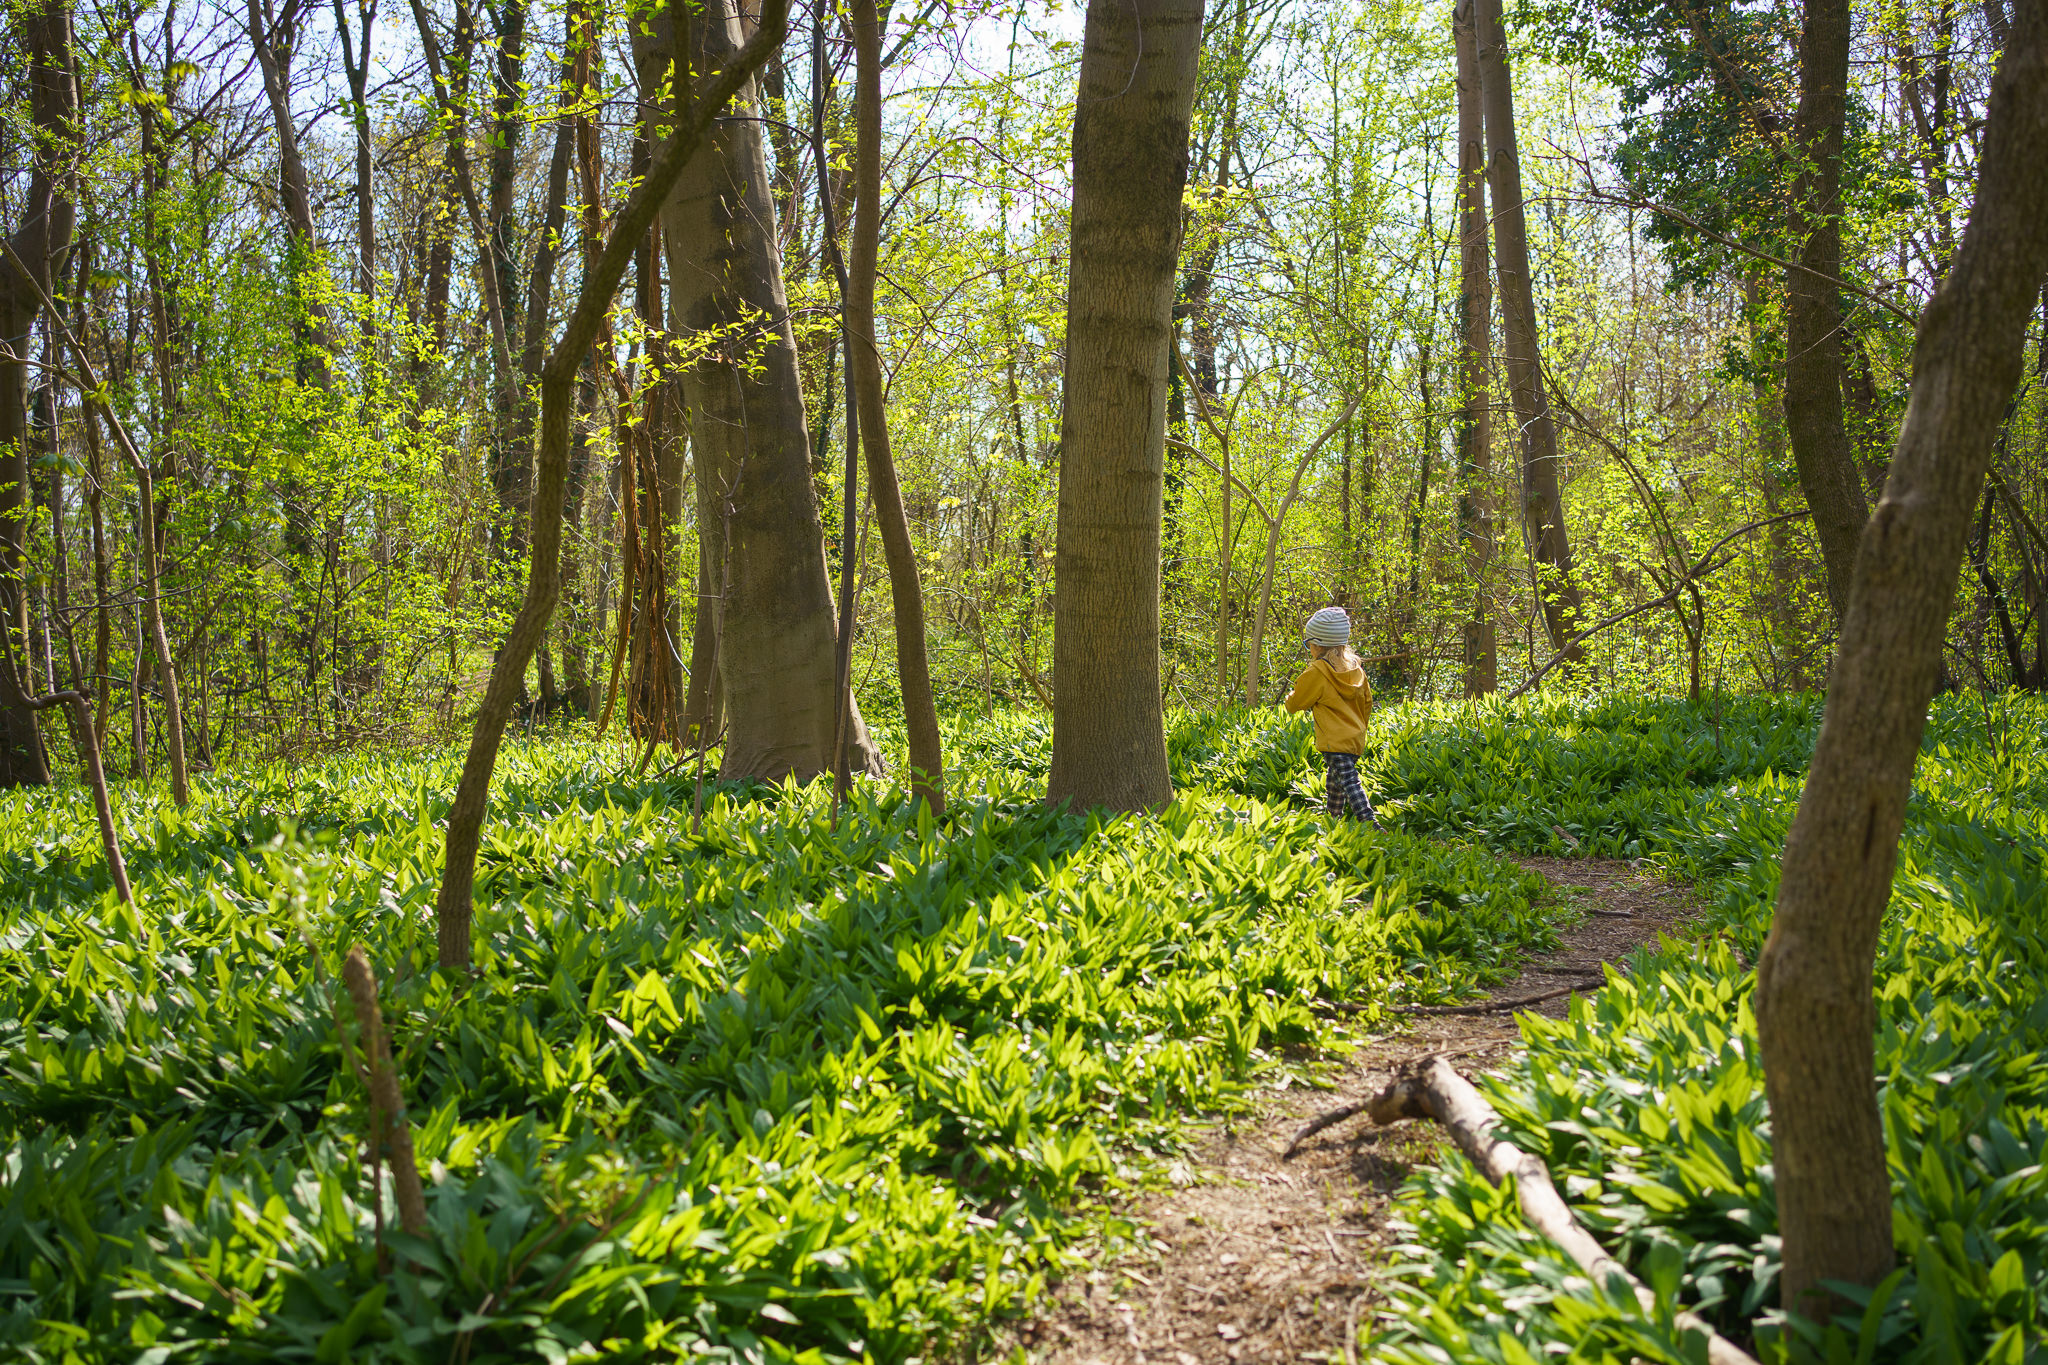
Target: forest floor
(1258, 1257)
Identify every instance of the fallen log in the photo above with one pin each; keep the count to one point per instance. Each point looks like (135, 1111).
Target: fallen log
(1433, 1090)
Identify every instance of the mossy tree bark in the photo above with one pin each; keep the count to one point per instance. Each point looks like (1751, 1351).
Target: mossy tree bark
(1815, 1015)
(1138, 62)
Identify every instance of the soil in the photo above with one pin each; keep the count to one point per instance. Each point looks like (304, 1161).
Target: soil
(1258, 1257)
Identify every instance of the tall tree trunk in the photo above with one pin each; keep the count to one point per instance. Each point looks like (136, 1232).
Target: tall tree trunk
(704, 700)
(1136, 97)
(47, 216)
(1542, 491)
(150, 564)
(1813, 313)
(747, 427)
(668, 435)
(1225, 559)
(512, 450)
(1785, 565)
(356, 67)
(103, 589)
(273, 34)
(450, 82)
(701, 107)
(1815, 1014)
(920, 715)
(1473, 432)
(704, 710)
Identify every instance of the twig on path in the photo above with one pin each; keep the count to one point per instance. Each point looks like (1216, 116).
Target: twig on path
(1320, 1122)
(1432, 1090)
(1501, 1006)
(1612, 914)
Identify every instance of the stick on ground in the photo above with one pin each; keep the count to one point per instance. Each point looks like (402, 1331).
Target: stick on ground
(391, 1135)
(1502, 1006)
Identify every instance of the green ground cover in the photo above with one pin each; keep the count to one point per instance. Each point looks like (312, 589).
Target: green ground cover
(1648, 1101)
(776, 1091)
(770, 1091)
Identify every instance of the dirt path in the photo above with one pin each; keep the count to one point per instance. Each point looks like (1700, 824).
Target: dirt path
(1260, 1259)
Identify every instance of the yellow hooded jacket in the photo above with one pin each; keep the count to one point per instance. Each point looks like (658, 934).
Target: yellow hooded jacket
(1342, 703)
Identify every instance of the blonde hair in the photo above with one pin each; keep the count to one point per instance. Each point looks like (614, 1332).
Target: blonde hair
(1344, 659)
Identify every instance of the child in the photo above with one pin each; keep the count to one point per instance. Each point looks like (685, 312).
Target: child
(1334, 686)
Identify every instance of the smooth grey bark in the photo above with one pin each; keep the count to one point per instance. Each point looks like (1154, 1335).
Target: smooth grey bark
(1815, 1015)
(1136, 97)
(747, 429)
(1542, 490)
(357, 70)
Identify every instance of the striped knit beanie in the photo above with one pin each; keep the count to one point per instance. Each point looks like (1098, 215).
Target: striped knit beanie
(1329, 627)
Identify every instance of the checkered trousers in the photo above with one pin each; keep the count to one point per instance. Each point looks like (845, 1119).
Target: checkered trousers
(1346, 797)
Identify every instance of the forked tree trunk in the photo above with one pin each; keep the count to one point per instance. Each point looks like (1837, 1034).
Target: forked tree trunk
(1542, 490)
(920, 715)
(1813, 314)
(600, 286)
(1474, 423)
(1137, 91)
(1815, 1014)
(777, 635)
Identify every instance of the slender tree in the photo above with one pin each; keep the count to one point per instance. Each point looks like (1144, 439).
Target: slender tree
(1815, 1014)
(920, 715)
(1813, 312)
(1542, 489)
(355, 65)
(1137, 90)
(1473, 428)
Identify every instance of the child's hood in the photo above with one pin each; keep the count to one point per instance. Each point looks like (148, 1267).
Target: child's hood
(1349, 682)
